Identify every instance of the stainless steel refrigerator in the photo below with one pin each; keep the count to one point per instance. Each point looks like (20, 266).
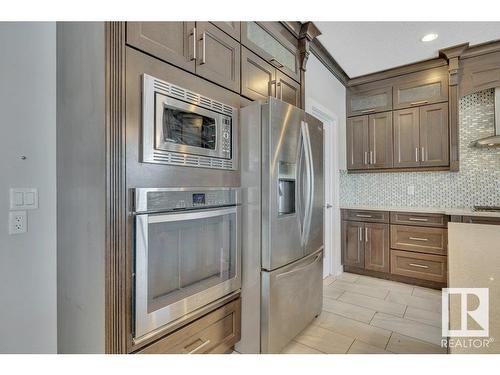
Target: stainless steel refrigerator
(282, 224)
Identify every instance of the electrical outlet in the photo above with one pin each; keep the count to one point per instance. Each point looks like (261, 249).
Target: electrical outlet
(17, 222)
(410, 190)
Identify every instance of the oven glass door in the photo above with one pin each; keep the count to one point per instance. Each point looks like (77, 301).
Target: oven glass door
(183, 261)
(186, 128)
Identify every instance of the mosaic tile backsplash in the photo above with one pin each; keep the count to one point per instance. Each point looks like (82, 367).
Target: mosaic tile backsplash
(477, 182)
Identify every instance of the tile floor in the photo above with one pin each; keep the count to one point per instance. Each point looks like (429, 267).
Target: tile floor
(365, 315)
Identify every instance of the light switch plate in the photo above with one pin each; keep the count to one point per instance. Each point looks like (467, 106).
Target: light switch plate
(23, 198)
(18, 222)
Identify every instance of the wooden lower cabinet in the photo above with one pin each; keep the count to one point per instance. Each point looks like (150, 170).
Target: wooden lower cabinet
(352, 244)
(216, 332)
(376, 247)
(419, 239)
(419, 266)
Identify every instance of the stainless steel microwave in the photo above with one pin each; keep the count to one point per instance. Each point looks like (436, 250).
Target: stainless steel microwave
(184, 128)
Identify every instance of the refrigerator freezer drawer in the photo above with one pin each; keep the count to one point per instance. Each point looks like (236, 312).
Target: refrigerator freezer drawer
(291, 297)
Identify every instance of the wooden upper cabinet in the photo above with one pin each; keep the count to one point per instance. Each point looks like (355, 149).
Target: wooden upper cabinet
(357, 143)
(361, 101)
(406, 138)
(172, 42)
(272, 46)
(434, 139)
(258, 77)
(353, 244)
(287, 89)
(426, 87)
(230, 27)
(376, 237)
(380, 140)
(218, 56)
(479, 73)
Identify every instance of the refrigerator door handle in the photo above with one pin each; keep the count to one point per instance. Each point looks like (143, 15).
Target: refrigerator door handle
(299, 186)
(309, 182)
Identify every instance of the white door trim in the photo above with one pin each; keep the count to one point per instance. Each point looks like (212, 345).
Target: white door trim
(330, 119)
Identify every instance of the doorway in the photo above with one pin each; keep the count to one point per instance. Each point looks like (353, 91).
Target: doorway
(332, 262)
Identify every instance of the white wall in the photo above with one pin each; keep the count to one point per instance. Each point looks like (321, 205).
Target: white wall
(326, 92)
(28, 127)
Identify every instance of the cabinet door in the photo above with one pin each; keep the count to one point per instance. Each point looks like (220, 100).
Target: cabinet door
(376, 238)
(257, 76)
(268, 43)
(353, 244)
(426, 87)
(170, 41)
(361, 101)
(218, 58)
(287, 89)
(434, 142)
(406, 138)
(380, 140)
(229, 27)
(357, 142)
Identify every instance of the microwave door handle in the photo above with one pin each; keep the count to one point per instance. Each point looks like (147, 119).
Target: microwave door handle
(173, 216)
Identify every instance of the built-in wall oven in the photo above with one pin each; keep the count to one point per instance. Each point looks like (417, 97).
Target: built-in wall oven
(187, 252)
(181, 127)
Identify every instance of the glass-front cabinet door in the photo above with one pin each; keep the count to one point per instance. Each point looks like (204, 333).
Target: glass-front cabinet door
(183, 261)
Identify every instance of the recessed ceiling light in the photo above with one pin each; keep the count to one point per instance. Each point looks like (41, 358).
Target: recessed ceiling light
(429, 37)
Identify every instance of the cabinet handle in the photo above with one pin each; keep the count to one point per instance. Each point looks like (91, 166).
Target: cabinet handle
(417, 219)
(193, 33)
(199, 347)
(366, 234)
(368, 110)
(416, 154)
(418, 239)
(360, 234)
(423, 154)
(281, 89)
(366, 157)
(418, 265)
(203, 51)
(374, 157)
(363, 215)
(276, 63)
(419, 102)
(371, 157)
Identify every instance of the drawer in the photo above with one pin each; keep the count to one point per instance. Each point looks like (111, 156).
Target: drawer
(364, 215)
(419, 239)
(215, 332)
(419, 266)
(481, 220)
(420, 219)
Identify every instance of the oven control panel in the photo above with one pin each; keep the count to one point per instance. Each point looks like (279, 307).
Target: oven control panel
(184, 199)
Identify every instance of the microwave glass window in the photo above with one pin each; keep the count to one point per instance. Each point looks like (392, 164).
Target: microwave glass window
(189, 129)
(189, 256)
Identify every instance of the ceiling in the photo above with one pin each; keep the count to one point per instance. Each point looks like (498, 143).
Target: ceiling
(367, 47)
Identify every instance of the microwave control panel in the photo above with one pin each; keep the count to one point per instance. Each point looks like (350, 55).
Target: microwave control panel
(226, 137)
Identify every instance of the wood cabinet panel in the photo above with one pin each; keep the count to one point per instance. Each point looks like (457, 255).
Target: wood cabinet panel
(216, 332)
(352, 244)
(406, 138)
(419, 239)
(434, 138)
(376, 238)
(219, 56)
(419, 219)
(365, 215)
(479, 73)
(229, 27)
(357, 142)
(170, 41)
(425, 87)
(481, 220)
(362, 101)
(287, 89)
(380, 140)
(257, 76)
(420, 266)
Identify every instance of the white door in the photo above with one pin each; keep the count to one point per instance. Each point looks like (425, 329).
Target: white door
(330, 122)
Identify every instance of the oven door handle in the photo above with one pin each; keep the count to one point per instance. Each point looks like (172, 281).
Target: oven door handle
(185, 216)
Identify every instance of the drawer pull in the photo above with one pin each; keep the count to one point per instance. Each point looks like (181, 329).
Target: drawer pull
(362, 215)
(369, 110)
(417, 219)
(419, 239)
(419, 102)
(418, 265)
(199, 347)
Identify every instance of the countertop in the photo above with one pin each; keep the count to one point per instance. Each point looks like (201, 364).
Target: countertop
(435, 210)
